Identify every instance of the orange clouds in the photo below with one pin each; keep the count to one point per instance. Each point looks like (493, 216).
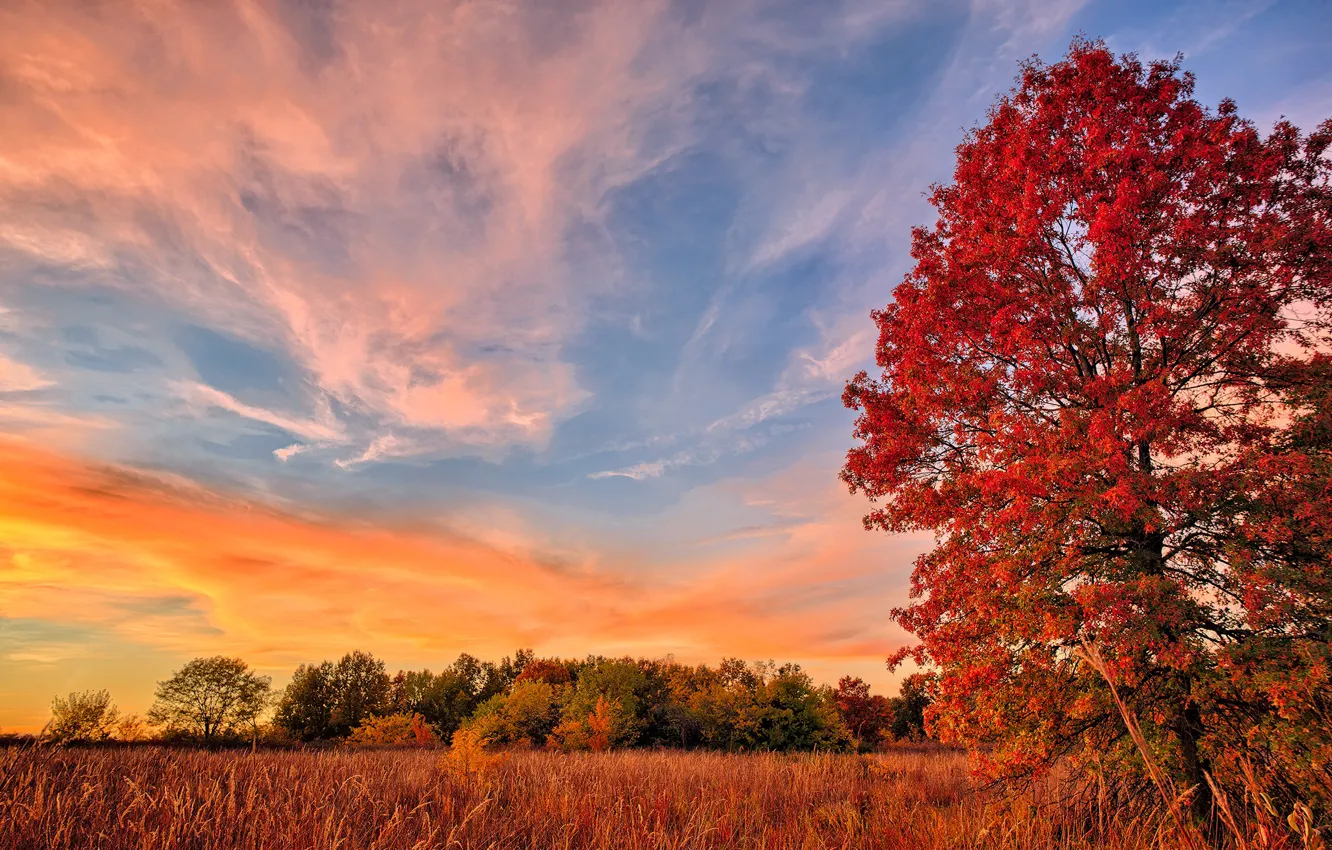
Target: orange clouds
(164, 562)
(85, 540)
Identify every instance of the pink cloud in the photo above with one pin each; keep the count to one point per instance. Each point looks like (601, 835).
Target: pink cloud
(19, 377)
(384, 212)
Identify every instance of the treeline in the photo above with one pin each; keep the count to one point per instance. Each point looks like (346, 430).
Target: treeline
(595, 703)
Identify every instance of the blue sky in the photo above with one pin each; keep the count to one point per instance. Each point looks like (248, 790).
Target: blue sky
(574, 287)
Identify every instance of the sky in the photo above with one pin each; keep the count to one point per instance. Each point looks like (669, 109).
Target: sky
(427, 327)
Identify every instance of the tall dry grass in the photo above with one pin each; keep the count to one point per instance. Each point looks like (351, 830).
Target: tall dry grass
(149, 798)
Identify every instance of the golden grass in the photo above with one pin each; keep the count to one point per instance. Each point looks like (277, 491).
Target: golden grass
(148, 798)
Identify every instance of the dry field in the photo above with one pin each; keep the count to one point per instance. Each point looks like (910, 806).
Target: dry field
(149, 798)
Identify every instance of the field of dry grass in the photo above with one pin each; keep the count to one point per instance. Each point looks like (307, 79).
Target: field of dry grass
(148, 798)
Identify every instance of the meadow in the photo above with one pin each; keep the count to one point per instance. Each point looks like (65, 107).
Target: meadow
(154, 798)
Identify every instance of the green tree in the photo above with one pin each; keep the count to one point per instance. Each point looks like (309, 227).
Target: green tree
(607, 694)
(726, 711)
(82, 717)
(361, 688)
(306, 707)
(801, 715)
(908, 708)
(444, 699)
(673, 720)
(211, 698)
(509, 669)
(745, 707)
(328, 700)
(526, 715)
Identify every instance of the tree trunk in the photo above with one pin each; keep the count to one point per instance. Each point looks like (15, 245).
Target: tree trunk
(1149, 557)
(1188, 729)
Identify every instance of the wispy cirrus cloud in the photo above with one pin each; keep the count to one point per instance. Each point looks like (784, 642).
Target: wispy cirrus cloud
(202, 397)
(385, 191)
(382, 198)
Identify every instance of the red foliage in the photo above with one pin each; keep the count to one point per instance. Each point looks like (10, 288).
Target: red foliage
(867, 716)
(1104, 388)
(550, 671)
(422, 734)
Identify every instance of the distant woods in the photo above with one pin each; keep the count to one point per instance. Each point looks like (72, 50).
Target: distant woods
(522, 701)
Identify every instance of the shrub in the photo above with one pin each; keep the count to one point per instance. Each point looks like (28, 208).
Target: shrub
(468, 757)
(392, 730)
(132, 727)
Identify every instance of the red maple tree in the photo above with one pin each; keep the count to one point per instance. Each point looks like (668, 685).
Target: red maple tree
(868, 717)
(1105, 389)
